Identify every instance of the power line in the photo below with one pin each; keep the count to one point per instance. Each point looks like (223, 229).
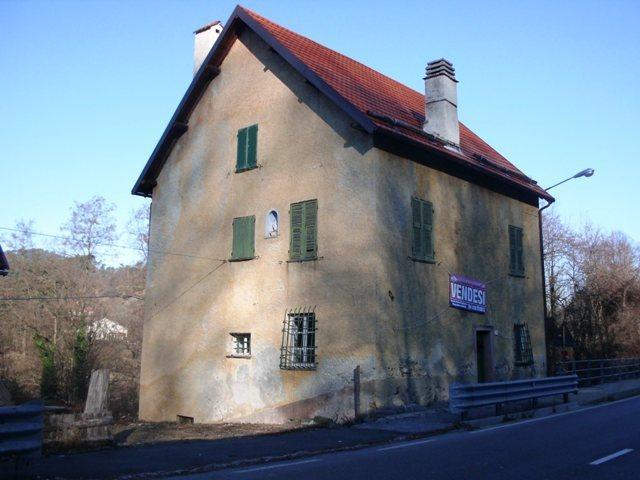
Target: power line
(89, 297)
(175, 299)
(60, 237)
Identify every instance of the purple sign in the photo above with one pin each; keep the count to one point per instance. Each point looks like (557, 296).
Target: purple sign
(467, 294)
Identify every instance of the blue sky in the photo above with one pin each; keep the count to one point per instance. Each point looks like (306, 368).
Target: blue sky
(88, 87)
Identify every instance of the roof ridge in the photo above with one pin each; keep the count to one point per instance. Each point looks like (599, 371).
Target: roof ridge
(398, 82)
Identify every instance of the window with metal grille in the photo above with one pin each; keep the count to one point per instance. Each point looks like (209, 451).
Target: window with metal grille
(523, 353)
(241, 344)
(298, 350)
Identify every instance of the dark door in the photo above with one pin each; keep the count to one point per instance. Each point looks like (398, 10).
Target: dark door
(483, 356)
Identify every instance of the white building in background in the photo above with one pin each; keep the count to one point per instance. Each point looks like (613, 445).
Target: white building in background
(105, 329)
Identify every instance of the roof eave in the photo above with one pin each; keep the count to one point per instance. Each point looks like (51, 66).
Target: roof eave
(458, 164)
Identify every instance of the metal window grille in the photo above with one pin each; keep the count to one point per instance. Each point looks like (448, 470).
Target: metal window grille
(524, 355)
(298, 350)
(241, 343)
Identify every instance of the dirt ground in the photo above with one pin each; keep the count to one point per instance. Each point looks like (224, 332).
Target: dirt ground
(143, 432)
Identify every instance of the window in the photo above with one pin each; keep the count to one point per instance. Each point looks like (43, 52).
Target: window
(516, 261)
(271, 225)
(241, 344)
(247, 148)
(298, 350)
(422, 230)
(243, 238)
(523, 353)
(304, 231)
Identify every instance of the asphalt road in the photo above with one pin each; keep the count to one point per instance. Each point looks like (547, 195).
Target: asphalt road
(601, 442)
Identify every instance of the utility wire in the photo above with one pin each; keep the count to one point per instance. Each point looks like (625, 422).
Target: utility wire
(168, 304)
(60, 237)
(20, 299)
(175, 299)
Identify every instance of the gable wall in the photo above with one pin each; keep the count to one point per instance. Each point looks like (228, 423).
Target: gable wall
(306, 149)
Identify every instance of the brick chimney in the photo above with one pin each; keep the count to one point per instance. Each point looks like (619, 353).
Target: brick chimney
(205, 38)
(441, 106)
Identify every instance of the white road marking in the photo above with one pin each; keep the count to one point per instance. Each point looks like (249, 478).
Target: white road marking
(555, 415)
(403, 445)
(280, 465)
(612, 456)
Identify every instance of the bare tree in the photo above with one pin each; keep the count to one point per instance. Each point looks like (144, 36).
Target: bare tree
(558, 243)
(91, 224)
(138, 227)
(21, 238)
(593, 289)
(49, 309)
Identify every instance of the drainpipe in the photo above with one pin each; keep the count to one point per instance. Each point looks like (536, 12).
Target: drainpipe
(544, 288)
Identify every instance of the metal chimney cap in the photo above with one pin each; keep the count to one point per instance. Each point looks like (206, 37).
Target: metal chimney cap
(440, 67)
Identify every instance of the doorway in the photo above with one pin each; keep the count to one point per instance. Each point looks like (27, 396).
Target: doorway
(484, 355)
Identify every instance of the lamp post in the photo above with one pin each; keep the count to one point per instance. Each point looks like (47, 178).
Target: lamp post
(587, 172)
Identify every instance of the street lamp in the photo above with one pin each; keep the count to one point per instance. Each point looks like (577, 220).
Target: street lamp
(587, 172)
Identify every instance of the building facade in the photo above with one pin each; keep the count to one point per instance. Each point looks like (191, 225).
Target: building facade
(328, 257)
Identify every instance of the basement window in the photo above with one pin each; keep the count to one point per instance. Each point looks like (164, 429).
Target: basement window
(184, 419)
(523, 352)
(240, 345)
(298, 351)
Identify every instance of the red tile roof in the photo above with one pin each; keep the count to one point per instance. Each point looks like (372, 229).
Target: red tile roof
(372, 92)
(378, 103)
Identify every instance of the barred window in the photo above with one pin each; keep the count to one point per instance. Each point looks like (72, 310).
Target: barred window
(523, 353)
(241, 344)
(298, 350)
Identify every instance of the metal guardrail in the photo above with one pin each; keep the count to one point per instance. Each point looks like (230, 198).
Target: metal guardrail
(600, 370)
(463, 397)
(21, 430)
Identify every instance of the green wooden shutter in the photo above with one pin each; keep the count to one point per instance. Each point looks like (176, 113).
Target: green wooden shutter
(243, 238)
(247, 148)
(310, 227)
(304, 230)
(252, 146)
(297, 218)
(241, 157)
(512, 250)
(417, 250)
(422, 230)
(516, 260)
(519, 252)
(427, 230)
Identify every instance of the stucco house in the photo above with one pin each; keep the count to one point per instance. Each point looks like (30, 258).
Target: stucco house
(340, 242)
(108, 330)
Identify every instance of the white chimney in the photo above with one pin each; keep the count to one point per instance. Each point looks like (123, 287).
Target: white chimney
(441, 106)
(205, 38)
